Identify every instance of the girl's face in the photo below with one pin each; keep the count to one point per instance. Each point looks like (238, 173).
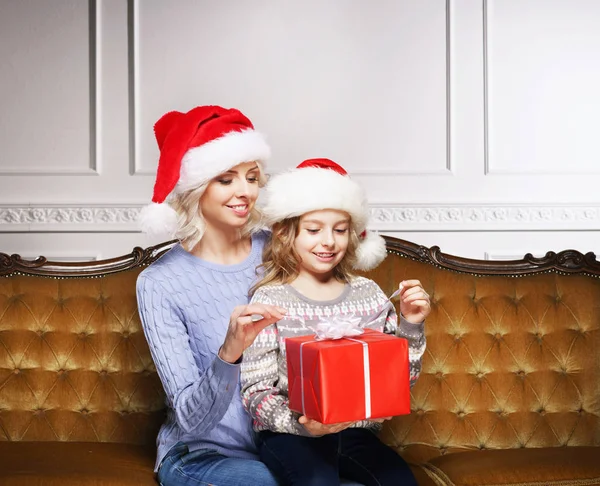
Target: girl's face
(322, 241)
(229, 197)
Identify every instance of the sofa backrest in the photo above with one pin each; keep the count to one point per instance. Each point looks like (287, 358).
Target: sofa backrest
(512, 355)
(513, 352)
(74, 363)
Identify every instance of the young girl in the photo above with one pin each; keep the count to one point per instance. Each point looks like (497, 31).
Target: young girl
(318, 217)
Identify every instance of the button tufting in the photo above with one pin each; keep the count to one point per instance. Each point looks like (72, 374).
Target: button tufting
(498, 336)
(17, 371)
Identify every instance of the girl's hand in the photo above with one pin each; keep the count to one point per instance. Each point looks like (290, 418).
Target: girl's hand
(243, 329)
(414, 301)
(317, 428)
(381, 420)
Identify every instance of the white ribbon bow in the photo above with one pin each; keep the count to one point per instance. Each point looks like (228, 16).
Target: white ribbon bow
(337, 327)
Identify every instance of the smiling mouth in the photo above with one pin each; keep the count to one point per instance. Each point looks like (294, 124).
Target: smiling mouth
(239, 208)
(326, 256)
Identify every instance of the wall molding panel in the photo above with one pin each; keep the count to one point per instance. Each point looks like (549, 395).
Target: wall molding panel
(95, 73)
(488, 81)
(470, 125)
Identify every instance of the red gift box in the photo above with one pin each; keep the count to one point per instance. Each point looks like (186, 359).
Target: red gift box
(348, 379)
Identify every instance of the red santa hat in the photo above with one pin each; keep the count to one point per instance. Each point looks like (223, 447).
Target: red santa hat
(322, 184)
(194, 148)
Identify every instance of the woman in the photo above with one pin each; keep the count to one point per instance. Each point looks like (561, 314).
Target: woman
(210, 169)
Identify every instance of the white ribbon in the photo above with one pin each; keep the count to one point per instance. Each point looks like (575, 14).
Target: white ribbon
(337, 327)
(367, 370)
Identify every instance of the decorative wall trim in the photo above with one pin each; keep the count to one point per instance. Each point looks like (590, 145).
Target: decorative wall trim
(123, 218)
(485, 218)
(69, 218)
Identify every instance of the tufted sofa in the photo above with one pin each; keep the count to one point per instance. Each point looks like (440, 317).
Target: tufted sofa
(509, 393)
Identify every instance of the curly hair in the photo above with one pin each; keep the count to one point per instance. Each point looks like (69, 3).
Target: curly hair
(190, 221)
(281, 262)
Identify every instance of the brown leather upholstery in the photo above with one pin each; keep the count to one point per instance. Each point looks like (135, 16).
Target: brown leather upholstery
(560, 466)
(509, 393)
(510, 363)
(74, 363)
(75, 464)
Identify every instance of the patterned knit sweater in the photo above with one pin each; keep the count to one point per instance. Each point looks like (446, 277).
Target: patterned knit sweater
(264, 368)
(184, 304)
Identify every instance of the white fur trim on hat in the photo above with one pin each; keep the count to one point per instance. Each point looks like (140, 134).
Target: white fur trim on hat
(309, 189)
(203, 163)
(370, 252)
(158, 220)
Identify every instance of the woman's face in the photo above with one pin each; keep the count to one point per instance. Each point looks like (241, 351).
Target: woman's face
(229, 197)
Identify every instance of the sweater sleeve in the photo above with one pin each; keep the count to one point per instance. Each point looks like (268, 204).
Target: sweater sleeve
(413, 333)
(198, 397)
(261, 395)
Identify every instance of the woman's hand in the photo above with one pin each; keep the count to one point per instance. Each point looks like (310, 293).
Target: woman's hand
(414, 301)
(243, 329)
(317, 428)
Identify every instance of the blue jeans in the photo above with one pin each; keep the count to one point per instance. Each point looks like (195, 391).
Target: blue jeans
(205, 467)
(356, 454)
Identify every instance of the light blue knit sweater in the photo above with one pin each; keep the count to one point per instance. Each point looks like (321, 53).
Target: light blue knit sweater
(185, 304)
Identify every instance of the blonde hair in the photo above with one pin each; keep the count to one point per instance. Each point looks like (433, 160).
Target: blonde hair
(190, 221)
(281, 261)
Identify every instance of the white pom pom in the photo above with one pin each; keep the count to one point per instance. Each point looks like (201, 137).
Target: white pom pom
(370, 252)
(158, 220)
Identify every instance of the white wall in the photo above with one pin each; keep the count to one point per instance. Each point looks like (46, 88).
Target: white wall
(472, 123)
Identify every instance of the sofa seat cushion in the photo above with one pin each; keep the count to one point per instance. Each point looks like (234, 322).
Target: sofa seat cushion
(75, 463)
(558, 466)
